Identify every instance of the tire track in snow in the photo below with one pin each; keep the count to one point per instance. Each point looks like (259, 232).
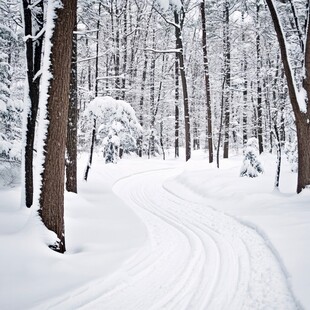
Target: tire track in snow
(196, 258)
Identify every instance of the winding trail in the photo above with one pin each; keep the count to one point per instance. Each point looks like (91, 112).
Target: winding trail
(195, 258)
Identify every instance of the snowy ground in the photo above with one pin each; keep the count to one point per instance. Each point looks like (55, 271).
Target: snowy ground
(152, 234)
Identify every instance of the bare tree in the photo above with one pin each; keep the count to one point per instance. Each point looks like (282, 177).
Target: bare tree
(301, 107)
(179, 20)
(227, 56)
(33, 29)
(207, 80)
(258, 78)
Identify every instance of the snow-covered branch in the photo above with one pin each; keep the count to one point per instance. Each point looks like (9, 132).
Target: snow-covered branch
(172, 50)
(36, 37)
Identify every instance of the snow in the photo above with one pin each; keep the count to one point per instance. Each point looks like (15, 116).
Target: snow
(165, 4)
(153, 234)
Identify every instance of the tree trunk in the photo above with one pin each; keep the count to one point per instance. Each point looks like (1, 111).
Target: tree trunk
(303, 138)
(207, 81)
(71, 161)
(92, 145)
(178, 36)
(153, 111)
(141, 104)
(259, 88)
(52, 189)
(124, 45)
(245, 89)
(143, 83)
(221, 125)
(278, 143)
(93, 136)
(176, 107)
(33, 58)
(227, 79)
(301, 117)
(117, 55)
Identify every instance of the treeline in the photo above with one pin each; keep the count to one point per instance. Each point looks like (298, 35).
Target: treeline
(199, 74)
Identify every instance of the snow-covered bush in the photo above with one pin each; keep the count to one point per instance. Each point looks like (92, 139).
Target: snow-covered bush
(292, 155)
(118, 126)
(251, 165)
(111, 145)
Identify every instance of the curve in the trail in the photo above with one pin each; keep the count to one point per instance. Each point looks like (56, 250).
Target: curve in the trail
(196, 258)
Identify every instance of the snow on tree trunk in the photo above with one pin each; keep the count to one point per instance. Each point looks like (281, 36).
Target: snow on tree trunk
(54, 102)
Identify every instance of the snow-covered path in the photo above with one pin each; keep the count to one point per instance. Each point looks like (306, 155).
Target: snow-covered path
(196, 258)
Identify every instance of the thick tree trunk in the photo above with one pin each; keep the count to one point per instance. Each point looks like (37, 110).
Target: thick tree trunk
(207, 81)
(33, 57)
(303, 141)
(52, 189)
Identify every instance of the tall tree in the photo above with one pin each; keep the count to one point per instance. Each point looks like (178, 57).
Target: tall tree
(33, 30)
(176, 107)
(300, 104)
(179, 20)
(245, 81)
(58, 55)
(71, 161)
(258, 78)
(94, 129)
(207, 80)
(227, 60)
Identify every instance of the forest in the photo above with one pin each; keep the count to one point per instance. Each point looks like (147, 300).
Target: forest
(163, 80)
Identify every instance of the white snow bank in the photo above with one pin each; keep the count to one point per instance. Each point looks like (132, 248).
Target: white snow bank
(101, 233)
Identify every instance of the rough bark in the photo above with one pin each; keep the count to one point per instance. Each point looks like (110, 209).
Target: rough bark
(52, 189)
(71, 162)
